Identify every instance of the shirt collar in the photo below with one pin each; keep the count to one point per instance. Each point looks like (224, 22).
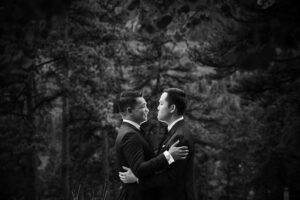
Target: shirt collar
(132, 123)
(173, 123)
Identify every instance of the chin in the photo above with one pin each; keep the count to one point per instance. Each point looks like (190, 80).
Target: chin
(160, 119)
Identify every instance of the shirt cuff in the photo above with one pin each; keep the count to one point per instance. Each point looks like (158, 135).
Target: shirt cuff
(169, 157)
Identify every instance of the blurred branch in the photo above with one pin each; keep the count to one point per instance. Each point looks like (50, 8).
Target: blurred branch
(49, 61)
(48, 99)
(13, 113)
(228, 12)
(250, 21)
(144, 83)
(206, 143)
(201, 119)
(196, 55)
(286, 59)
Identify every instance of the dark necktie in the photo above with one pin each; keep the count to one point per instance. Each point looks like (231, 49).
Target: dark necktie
(142, 131)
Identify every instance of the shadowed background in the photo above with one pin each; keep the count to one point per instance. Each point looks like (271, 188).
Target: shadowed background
(64, 62)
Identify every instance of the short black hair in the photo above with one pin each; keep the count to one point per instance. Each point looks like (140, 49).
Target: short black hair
(178, 98)
(128, 99)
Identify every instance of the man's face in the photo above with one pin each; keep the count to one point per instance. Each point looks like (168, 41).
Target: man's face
(164, 111)
(140, 111)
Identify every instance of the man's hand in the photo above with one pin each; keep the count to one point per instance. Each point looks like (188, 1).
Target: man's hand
(127, 176)
(178, 153)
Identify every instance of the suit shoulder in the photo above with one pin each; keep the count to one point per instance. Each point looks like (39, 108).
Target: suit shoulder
(126, 133)
(185, 131)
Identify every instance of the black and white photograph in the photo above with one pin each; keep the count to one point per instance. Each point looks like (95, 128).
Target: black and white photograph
(149, 100)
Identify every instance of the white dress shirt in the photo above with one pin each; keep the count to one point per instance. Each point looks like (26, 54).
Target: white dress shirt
(136, 125)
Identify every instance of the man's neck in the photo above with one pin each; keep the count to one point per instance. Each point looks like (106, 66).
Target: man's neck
(175, 121)
(132, 120)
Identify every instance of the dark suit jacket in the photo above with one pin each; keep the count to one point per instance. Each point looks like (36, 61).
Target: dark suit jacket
(176, 181)
(135, 152)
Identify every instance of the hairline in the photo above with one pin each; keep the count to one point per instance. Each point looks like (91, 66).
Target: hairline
(167, 99)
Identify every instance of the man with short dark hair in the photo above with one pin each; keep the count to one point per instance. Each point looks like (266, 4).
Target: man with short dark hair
(135, 152)
(176, 181)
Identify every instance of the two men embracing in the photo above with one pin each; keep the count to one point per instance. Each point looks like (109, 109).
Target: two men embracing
(167, 175)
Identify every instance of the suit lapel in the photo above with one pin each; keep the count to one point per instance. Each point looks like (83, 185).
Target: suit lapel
(165, 142)
(141, 133)
(165, 136)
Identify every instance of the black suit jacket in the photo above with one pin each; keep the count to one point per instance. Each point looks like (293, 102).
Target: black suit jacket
(135, 152)
(176, 181)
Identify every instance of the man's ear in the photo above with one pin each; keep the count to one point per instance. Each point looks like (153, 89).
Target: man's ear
(173, 108)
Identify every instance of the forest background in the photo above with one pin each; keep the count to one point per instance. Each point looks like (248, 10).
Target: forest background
(63, 62)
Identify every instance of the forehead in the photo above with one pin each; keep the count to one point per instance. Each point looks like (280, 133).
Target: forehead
(140, 101)
(163, 96)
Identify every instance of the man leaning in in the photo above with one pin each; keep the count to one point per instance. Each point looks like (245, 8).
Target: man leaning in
(134, 151)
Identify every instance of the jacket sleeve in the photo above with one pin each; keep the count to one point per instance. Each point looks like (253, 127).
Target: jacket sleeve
(171, 175)
(134, 154)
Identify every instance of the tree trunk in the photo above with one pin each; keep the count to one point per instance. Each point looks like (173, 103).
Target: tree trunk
(160, 66)
(65, 129)
(65, 149)
(228, 177)
(106, 165)
(32, 168)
